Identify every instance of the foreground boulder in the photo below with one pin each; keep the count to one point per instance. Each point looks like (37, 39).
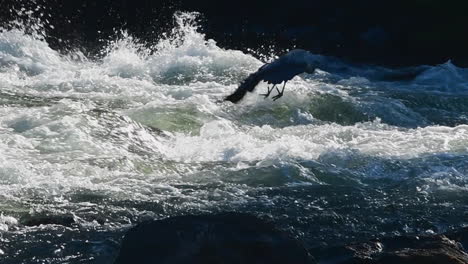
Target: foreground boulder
(224, 238)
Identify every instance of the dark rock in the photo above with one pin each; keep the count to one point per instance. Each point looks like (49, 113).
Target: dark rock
(48, 219)
(437, 249)
(430, 249)
(354, 253)
(460, 236)
(224, 238)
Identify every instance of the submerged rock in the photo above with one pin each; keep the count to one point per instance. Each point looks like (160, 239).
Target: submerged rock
(223, 238)
(48, 219)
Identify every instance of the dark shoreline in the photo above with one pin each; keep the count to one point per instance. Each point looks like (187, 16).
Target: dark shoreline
(391, 33)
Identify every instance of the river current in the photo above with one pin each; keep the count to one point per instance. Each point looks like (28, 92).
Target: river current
(90, 147)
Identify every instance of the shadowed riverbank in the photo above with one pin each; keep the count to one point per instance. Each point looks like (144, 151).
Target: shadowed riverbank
(385, 32)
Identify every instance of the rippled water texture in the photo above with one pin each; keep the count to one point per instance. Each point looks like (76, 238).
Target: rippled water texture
(89, 147)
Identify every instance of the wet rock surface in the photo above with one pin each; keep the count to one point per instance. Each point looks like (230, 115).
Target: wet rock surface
(49, 219)
(244, 238)
(403, 249)
(223, 238)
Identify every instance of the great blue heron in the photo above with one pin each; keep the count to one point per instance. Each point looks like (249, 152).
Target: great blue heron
(299, 61)
(279, 71)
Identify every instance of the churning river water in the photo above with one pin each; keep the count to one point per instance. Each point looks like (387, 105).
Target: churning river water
(90, 147)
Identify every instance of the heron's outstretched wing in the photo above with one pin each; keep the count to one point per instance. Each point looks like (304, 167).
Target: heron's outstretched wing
(248, 85)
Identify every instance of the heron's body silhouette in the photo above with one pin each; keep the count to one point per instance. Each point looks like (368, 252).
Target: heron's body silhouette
(299, 61)
(279, 71)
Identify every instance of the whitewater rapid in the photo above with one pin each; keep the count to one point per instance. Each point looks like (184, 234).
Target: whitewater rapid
(143, 133)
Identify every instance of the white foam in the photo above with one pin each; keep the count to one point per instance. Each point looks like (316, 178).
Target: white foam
(221, 141)
(62, 145)
(127, 70)
(6, 222)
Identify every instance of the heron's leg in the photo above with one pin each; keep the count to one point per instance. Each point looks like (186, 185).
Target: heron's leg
(280, 94)
(269, 91)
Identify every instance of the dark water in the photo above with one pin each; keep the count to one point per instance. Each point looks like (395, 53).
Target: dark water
(90, 147)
